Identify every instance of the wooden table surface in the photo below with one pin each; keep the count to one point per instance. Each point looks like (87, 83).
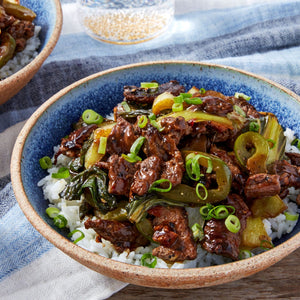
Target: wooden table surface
(281, 281)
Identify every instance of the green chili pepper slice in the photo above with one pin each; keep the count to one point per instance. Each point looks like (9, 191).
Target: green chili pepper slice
(251, 150)
(18, 11)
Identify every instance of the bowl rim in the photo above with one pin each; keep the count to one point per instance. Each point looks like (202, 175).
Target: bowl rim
(35, 64)
(158, 278)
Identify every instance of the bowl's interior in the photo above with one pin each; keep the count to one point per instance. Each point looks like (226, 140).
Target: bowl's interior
(103, 91)
(45, 17)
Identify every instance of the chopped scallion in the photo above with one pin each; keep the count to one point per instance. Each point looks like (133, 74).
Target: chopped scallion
(89, 116)
(82, 235)
(52, 211)
(233, 223)
(291, 217)
(245, 254)
(102, 145)
(154, 188)
(156, 125)
(130, 157)
(143, 121)
(149, 85)
(125, 106)
(60, 221)
(45, 162)
(136, 146)
(202, 186)
(152, 116)
(254, 126)
(177, 107)
(296, 143)
(202, 91)
(197, 231)
(148, 260)
(63, 172)
(272, 143)
(239, 110)
(242, 95)
(195, 100)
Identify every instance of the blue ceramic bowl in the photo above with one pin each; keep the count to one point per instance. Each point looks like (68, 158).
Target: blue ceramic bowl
(102, 92)
(49, 17)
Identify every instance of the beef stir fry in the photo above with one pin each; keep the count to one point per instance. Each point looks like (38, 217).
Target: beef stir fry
(16, 27)
(168, 150)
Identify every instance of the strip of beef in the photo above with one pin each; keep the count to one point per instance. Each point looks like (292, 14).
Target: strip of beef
(216, 132)
(248, 108)
(146, 96)
(72, 145)
(123, 235)
(212, 105)
(175, 128)
(289, 174)
(156, 144)
(121, 138)
(5, 19)
(238, 177)
(148, 172)
(172, 232)
(120, 175)
(294, 157)
(173, 169)
(218, 239)
(262, 185)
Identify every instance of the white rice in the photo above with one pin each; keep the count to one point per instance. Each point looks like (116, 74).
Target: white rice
(21, 59)
(275, 227)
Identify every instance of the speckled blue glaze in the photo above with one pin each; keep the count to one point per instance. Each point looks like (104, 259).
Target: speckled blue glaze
(45, 11)
(104, 92)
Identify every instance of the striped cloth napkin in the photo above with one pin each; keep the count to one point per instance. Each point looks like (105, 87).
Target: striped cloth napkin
(261, 37)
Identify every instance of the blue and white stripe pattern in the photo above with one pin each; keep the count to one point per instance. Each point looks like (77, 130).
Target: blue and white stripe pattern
(262, 37)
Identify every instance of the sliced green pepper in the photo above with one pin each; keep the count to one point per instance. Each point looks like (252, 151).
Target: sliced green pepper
(18, 11)
(144, 226)
(186, 194)
(7, 48)
(199, 116)
(251, 150)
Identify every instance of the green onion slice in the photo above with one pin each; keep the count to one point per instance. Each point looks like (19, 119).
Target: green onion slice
(152, 116)
(242, 95)
(136, 146)
(178, 99)
(131, 157)
(202, 186)
(125, 106)
(291, 217)
(148, 260)
(272, 143)
(177, 107)
(233, 223)
(239, 110)
(89, 116)
(204, 211)
(202, 91)
(254, 126)
(79, 238)
(154, 188)
(195, 100)
(143, 121)
(102, 145)
(45, 162)
(60, 221)
(63, 172)
(197, 231)
(245, 254)
(52, 211)
(263, 242)
(156, 125)
(149, 85)
(296, 142)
